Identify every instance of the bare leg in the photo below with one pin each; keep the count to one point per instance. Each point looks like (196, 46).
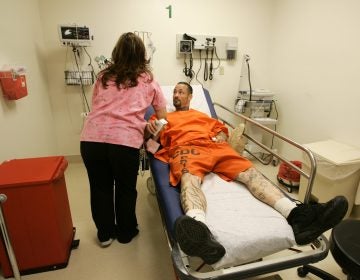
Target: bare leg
(191, 196)
(261, 188)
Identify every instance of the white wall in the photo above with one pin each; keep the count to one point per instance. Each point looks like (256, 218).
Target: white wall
(247, 20)
(26, 125)
(305, 51)
(314, 68)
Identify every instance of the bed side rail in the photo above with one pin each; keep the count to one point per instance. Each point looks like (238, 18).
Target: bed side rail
(308, 175)
(318, 252)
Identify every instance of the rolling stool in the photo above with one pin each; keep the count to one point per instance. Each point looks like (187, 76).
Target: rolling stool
(345, 248)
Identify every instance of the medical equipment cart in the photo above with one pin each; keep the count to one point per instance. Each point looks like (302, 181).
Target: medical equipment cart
(37, 215)
(258, 107)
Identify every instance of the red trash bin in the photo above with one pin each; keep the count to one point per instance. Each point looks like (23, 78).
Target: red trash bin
(37, 214)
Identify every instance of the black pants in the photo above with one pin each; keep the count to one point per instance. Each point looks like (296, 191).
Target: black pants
(112, 171)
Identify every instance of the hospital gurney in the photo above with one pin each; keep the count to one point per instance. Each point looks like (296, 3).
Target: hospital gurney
(256, 238)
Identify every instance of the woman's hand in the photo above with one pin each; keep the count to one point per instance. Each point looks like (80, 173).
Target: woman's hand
(151, 126)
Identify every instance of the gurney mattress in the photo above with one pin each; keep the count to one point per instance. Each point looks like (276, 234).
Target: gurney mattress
(246, 227)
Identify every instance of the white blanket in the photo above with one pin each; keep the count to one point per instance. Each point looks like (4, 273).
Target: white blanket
(246, 227)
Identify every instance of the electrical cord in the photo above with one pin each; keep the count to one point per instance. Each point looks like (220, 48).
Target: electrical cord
(211, 65)
(249, 79)
(188, 71)
(197, 73)
(206, 66)
(212, 57)
(90, 63)
(219, 61)
(76, 52)
(191, 72)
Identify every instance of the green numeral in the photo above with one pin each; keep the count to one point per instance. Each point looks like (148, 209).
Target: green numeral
(169, 8)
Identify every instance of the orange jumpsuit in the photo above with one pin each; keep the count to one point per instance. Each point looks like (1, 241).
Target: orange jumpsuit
(188, 147)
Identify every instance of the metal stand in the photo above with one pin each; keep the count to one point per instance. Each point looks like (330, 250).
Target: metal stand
(7, 242)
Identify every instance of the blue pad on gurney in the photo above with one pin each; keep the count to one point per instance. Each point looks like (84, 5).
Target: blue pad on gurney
(168, 196)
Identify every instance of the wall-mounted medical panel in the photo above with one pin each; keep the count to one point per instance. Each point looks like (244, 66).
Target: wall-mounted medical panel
(226, 47)
(75, 35)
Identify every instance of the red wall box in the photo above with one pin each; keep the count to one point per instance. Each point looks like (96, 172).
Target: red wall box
(13, 86)
(37, 214)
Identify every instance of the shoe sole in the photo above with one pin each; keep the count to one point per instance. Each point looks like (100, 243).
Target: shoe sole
(195, 239)
(339, 210)
(106, 243)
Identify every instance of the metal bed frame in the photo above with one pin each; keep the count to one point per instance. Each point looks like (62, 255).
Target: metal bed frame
(309, 176)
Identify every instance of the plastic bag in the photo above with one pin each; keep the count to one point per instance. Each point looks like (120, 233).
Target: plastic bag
(236, 138)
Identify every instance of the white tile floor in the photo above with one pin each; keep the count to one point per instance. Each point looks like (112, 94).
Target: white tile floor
(146, 257)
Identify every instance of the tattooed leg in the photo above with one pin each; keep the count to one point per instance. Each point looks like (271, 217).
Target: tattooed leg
(191, 196)
(259, 186)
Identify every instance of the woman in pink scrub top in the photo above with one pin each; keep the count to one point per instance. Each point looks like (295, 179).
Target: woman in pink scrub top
(113, 134)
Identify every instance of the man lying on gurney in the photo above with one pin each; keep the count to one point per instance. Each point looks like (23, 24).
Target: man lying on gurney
(194, 144)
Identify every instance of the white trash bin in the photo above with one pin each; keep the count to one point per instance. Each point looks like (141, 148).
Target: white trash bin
(337, 173)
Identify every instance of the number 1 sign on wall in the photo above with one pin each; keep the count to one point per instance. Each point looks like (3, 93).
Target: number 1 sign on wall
(170, 10)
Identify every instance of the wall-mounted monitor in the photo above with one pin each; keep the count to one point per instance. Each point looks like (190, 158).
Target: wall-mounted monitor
(75, 35)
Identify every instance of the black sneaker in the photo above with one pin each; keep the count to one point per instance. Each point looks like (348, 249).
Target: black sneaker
(105, 240)
(310, 220)
(126, 236)
(195, 239)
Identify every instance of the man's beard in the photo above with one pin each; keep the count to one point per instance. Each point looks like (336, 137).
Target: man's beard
(177, 103)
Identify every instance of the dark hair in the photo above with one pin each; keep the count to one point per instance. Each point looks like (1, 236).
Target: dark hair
(189, 87)
(128, 62)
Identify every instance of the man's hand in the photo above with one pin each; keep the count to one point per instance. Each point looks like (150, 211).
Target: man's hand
(220, 137)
